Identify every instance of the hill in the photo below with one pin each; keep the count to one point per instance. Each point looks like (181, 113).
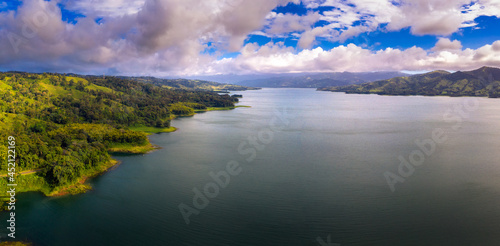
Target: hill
(483, 82)
(318, 80)
(230, 78)
(64, 126)
(189, 84)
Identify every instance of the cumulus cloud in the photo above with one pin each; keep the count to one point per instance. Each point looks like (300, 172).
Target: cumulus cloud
(287, 23)
(275, 58)
(165, 37)
(428, 16)
(446, 44)
(423, 17)
(307, 38)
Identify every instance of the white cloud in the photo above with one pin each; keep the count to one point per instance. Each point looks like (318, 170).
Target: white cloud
(435, 17)
(423, 17)
(444, 44)
(308, 37)
(273, 58)
(287, 23)
(163, 37)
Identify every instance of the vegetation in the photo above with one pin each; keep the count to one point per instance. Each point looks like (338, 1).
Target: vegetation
(131, 148)
(14, 244)
(65, 126)
(187, 84)
(152, 130)
(318, 80)
(484, 82)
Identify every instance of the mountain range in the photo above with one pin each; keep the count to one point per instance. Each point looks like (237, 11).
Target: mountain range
(318, 80)
(484, 82)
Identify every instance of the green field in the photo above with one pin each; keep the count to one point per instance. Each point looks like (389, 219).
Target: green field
(151, 129)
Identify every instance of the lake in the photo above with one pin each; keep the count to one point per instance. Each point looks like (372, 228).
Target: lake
(305, 168)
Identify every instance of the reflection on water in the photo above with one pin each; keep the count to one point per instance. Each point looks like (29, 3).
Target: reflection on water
(320, 176)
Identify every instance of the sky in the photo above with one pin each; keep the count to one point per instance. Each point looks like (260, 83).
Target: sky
(208, 37)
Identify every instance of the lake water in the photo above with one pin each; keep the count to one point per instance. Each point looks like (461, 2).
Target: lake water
(314, 177)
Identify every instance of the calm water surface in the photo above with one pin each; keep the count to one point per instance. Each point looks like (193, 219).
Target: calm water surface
(322, 176)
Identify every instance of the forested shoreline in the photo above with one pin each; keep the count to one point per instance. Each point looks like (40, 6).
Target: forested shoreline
(65, 126)
(482, 82)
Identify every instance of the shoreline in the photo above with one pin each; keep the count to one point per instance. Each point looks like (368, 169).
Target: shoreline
(81, 186)
(407, 95)
(15, 243)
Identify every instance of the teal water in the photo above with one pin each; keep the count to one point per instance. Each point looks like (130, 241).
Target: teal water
(320, 175)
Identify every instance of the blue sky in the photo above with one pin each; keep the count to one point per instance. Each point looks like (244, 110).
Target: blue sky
(190, 37)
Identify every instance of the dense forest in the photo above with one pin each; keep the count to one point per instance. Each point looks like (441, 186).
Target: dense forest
(189, 84)
(64, 126)
(483, 82)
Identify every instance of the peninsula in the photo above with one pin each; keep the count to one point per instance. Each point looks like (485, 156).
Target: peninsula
(483, 82)
(65, 127)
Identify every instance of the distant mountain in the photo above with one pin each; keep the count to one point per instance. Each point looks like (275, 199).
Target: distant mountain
(230, 78)
(483, 82)
(318, 80)
(188, 84)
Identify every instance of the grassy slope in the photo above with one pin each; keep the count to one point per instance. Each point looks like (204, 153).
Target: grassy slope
(484, 82)
(34, 181)
(218, 109)
(132, 149)
(151, 130)
(187, 84)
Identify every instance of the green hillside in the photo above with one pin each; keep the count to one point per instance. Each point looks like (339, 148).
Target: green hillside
(483, 82)
(188, 84)
(64, 127)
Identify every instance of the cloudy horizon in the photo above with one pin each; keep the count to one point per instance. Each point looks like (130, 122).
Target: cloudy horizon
(187, 37)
